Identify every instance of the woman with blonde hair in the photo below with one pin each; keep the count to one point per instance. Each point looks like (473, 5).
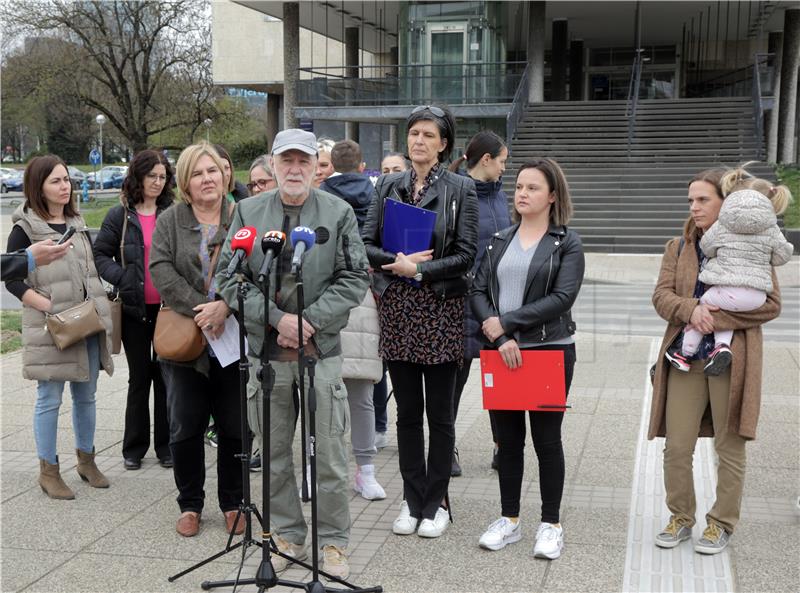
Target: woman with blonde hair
(324, 163)
(186, 243)
(48, 211)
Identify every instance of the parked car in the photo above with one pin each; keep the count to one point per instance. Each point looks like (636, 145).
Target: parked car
(12, 182)
(108, 177)
(76, 176)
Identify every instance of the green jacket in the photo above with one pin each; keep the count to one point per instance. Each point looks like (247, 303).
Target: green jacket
(335, 277)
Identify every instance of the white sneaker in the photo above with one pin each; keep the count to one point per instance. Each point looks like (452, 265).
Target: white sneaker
(501, 533)
(436, 526)
(381, 440)
(549, 541)
(279, 563)
(405, 524)
(366, 485)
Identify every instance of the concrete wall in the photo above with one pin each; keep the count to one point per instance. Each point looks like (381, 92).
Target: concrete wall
(248, 49)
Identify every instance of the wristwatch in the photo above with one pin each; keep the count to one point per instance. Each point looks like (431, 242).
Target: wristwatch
(418, 275)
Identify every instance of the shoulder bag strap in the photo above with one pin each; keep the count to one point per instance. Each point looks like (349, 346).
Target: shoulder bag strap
(212, 266)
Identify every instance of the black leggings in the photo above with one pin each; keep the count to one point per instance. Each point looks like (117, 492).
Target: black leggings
(546, 433)
(424, 484)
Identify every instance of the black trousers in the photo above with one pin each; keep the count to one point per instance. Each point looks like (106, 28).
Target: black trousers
(192, 398)
(461, 379)
(144, 370)
(424, 485)
(546, 434)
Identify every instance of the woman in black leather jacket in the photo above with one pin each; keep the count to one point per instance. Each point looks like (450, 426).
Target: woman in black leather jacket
(525, 288)
(422, 323)
(146, 193)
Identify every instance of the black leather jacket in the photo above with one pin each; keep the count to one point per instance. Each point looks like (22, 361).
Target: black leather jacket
(107, 257)
(455, 236)
(554, 279)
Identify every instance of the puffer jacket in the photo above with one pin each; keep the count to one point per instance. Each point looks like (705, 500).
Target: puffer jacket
(744, 243)
(66, 282)
(130, 280)
(554, 279)
(455, 235)
(360, 343)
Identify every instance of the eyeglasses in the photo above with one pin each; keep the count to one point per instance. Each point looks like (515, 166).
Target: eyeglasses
(153, 177)
(432, 108)
(261, 183)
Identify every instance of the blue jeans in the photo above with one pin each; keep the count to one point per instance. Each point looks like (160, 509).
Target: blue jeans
(48, 402)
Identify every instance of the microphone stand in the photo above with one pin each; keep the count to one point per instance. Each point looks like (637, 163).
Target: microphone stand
(246, 507)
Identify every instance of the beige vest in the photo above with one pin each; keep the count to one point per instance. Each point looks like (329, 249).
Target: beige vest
(64, 282)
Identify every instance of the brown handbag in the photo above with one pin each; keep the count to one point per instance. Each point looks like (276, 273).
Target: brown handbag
(74, 324)
(177, 336)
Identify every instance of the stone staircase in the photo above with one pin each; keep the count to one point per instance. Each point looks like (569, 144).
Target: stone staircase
(632, 200)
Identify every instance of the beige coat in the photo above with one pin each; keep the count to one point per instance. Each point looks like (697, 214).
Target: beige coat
(360, 343)
(674, 303)
(64, 282)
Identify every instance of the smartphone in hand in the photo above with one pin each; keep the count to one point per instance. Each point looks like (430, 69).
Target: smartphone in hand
(66, 236)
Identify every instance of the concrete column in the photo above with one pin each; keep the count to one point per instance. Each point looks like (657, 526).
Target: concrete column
(394, 130)
(536, 22)
(291, 61)
(558, 61)
(774, 46)
(787, 106)
(576, 70)
(351, 131)
(272, 123)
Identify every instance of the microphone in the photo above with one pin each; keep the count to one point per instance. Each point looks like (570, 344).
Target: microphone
(303, 239)
(271, 244)
(241, 246)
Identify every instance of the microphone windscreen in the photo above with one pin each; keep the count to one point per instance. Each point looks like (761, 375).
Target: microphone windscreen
(302, 234)
(244, 239)
(273, 241)
(323, 235)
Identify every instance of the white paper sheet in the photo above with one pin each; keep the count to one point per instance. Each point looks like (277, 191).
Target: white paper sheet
(226, 347)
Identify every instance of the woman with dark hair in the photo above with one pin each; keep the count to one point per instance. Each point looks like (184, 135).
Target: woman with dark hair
(122, 253)
(523, 295)
(236, 190)
(49, 209)
(421, 313)
(485, 156)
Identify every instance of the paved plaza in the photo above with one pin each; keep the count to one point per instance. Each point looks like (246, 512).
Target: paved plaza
(123, 539)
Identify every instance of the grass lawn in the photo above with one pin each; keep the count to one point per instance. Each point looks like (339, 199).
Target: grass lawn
(11, 330)
(790, 176)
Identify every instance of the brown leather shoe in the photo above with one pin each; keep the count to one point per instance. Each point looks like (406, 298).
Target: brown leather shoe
(230, 517)
(188, 524)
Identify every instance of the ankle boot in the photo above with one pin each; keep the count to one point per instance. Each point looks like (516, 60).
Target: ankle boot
(88, 471)
(51, 483)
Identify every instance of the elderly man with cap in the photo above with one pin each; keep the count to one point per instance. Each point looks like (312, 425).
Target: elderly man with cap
(335, 280)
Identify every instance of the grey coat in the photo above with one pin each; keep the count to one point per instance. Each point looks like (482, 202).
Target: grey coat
(744, 243)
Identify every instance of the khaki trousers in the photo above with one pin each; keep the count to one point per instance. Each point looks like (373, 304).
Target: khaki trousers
(688, 394)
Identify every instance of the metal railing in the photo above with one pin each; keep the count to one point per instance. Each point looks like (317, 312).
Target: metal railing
(455, 84)
(632, 103)
(761, 102)
(518, 106)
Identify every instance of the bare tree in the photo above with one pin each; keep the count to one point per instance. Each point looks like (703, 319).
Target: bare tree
(146, 65)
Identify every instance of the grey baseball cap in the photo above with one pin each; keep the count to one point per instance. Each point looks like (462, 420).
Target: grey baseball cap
(295, 139)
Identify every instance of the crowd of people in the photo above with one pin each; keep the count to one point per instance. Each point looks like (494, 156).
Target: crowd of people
(496, 275)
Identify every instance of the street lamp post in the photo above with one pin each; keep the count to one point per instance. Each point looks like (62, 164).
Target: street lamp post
(207, 122)
(100, 119)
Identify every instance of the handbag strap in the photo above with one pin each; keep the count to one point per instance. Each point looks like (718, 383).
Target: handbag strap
(122, 236)
(212, 266)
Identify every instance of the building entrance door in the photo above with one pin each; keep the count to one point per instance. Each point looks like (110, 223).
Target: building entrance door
(447, 43)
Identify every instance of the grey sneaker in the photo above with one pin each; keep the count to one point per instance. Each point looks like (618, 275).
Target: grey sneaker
(279, 563)
(334, 561)
(673, 534)
(714, 540)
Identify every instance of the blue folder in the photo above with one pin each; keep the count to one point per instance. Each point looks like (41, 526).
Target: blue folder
(407, 228)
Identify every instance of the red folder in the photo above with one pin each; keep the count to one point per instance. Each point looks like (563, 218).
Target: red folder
(537, 385)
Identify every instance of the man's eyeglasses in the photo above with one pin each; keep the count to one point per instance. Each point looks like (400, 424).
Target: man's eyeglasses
(260, 183)
(154, 177)
(432, 108)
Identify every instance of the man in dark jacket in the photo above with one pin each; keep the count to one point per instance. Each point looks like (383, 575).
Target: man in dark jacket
(16, 266)
(349, 181)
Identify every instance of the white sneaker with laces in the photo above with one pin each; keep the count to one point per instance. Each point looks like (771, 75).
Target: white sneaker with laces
(502, 532)
(436, 526)
(405, 524)
(366, 485)
(549, 541)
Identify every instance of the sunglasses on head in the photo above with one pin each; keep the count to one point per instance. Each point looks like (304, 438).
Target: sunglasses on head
(432, 108)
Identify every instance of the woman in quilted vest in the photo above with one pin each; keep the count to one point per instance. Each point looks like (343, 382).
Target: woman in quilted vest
(691, 404)
(48, 211)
